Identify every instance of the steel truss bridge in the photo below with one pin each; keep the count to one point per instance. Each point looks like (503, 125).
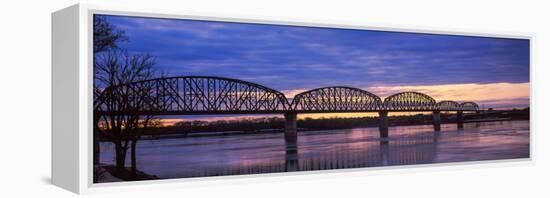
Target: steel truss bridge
(191, 95)
(196, 95)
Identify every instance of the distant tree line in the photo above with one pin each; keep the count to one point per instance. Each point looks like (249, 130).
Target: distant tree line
(274, 123)
(252, 124)
(277, 123)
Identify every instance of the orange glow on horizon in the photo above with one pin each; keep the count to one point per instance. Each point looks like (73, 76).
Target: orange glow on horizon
(463, 92)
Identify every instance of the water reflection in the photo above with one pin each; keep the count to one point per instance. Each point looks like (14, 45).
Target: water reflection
(291, 156)
(331, 149)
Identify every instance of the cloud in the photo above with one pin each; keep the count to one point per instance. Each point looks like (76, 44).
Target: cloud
(291, 93)
(463, 92)
(293, 59)
(317, 56)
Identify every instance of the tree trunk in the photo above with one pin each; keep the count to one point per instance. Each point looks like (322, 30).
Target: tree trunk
(134, 163)
(96, 148)
(120, 156)
(96, 140)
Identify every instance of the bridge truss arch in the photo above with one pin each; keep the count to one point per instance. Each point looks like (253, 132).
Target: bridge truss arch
(449, 105)
(409, 101)
(336, 99)
(196, 95)
(469, 106)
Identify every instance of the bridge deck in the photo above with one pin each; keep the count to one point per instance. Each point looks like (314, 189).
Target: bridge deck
(262, 112)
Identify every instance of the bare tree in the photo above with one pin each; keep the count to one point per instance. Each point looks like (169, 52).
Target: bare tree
(106, 37)
(143, 97)
(123, 125)
(114, 67)
(143, 124)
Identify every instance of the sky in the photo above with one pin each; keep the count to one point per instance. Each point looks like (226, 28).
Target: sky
(494, 72)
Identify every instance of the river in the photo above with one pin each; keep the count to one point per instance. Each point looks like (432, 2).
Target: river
(329, 149)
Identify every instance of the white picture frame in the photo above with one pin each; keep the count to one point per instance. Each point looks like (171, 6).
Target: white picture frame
(72, 94)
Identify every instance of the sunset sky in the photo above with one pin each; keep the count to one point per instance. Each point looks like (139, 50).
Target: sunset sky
(492, 72)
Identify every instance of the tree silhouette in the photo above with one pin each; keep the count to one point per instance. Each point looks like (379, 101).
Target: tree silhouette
(123, 125)
(106, 36)
(114, 66)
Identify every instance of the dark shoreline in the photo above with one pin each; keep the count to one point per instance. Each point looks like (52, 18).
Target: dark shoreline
(273, 131)
(106, 173)
(273, 125)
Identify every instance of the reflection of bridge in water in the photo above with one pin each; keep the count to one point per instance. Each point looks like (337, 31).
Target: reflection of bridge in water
(201, 95)
(420, 149)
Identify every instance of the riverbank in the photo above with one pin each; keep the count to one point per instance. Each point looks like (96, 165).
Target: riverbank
(272, 131)
(105, 173)
(277, 124)
(271, 125)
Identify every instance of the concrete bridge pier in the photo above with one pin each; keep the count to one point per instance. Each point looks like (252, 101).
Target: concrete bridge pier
(459, 119)
(437, 120)
(291, 142)
(290, 127)
(383, 124)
